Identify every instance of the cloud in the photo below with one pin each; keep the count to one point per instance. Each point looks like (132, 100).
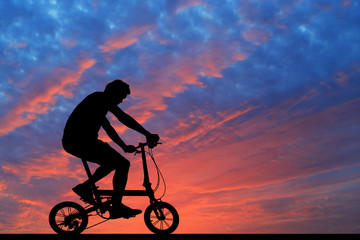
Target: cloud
(341, 78)
(282, 152)
(49, 165)
(199, 125)
(17, 45)
(255, 102)
(123, 40)
(346, 3)
(39, 99)
(256, 36)
(180, 70)
(176, 6)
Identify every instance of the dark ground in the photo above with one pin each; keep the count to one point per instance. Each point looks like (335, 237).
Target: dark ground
(180, 236)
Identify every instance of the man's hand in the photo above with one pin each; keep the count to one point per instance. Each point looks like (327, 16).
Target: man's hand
(129, 148)
(152, 140)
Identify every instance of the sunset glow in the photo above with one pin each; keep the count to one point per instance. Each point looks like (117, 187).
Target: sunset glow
(257, 104)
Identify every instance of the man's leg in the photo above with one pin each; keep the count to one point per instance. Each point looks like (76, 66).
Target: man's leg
(97, 152)
(120, 180)
(119, 183)
(122, 166)
(99, 173)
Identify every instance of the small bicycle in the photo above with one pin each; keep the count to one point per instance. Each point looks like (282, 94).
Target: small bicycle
(160, 217)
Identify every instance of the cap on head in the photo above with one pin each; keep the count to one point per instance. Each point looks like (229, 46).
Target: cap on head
(117, 87)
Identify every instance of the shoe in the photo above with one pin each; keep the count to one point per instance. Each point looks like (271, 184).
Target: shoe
(123, 211)
(85, 193)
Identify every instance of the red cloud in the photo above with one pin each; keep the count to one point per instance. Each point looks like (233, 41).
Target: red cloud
(182, 5)
(39, 99)
(169, 75)
(273, 151)
(123, 40)
(49, 165)
(207, 123)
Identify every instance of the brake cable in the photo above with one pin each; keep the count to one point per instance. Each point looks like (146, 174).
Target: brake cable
(159, 174)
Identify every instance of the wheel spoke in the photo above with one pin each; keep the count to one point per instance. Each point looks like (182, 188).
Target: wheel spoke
(75, 211)
(59, 214)
(63, 212)
(166, 224)
(156, 222)
(162, 222)
(69, 210)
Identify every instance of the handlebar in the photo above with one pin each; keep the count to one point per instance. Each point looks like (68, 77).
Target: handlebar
(147, 144)
(141, 144)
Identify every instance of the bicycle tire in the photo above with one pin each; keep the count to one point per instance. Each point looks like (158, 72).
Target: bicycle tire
(68, 218)
(155, 224)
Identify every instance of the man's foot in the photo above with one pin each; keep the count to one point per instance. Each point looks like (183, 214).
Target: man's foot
(122, 211)
(85, 193)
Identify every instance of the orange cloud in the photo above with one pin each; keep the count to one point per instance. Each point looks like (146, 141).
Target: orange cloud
(39, 99)
(207, 123)
(175, 72)
(50, 165)
(258, 172)
(248, 184)
(271, 151)
(183, 5)
(123, 40)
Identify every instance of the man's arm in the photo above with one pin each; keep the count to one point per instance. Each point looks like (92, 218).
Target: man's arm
(115, 137)
(128, 121)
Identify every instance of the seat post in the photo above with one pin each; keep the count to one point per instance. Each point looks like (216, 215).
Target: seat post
(93, 186)
(87, 169)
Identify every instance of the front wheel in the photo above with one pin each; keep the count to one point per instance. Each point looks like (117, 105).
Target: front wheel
(161, 218)
(68, 218)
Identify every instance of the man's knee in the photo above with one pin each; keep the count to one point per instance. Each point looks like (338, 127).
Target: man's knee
(123, 164)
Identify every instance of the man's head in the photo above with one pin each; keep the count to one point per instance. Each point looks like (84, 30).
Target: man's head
(117, 90)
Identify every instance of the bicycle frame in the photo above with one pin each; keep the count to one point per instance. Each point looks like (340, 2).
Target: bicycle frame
(98, 193)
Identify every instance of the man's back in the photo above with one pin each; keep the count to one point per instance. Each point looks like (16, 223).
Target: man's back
(85, 121)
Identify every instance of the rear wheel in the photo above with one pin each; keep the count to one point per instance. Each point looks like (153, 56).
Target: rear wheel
(161, 218)
(68, 218)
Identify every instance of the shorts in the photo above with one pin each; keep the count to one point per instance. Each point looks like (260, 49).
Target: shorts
(98, 152)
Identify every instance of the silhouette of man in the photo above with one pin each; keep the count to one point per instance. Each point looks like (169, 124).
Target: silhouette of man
(81, 140)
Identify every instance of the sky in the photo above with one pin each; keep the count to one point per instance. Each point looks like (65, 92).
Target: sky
(256, 103)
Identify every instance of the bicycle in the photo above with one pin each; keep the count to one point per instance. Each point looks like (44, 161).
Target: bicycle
(160, 217)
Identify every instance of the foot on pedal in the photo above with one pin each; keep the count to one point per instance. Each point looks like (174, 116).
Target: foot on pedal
(85, 193)
(123, 211)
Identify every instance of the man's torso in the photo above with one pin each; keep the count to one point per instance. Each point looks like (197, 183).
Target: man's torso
(85, 121)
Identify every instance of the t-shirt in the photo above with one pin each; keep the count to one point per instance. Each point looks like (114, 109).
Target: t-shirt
(85, 121)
